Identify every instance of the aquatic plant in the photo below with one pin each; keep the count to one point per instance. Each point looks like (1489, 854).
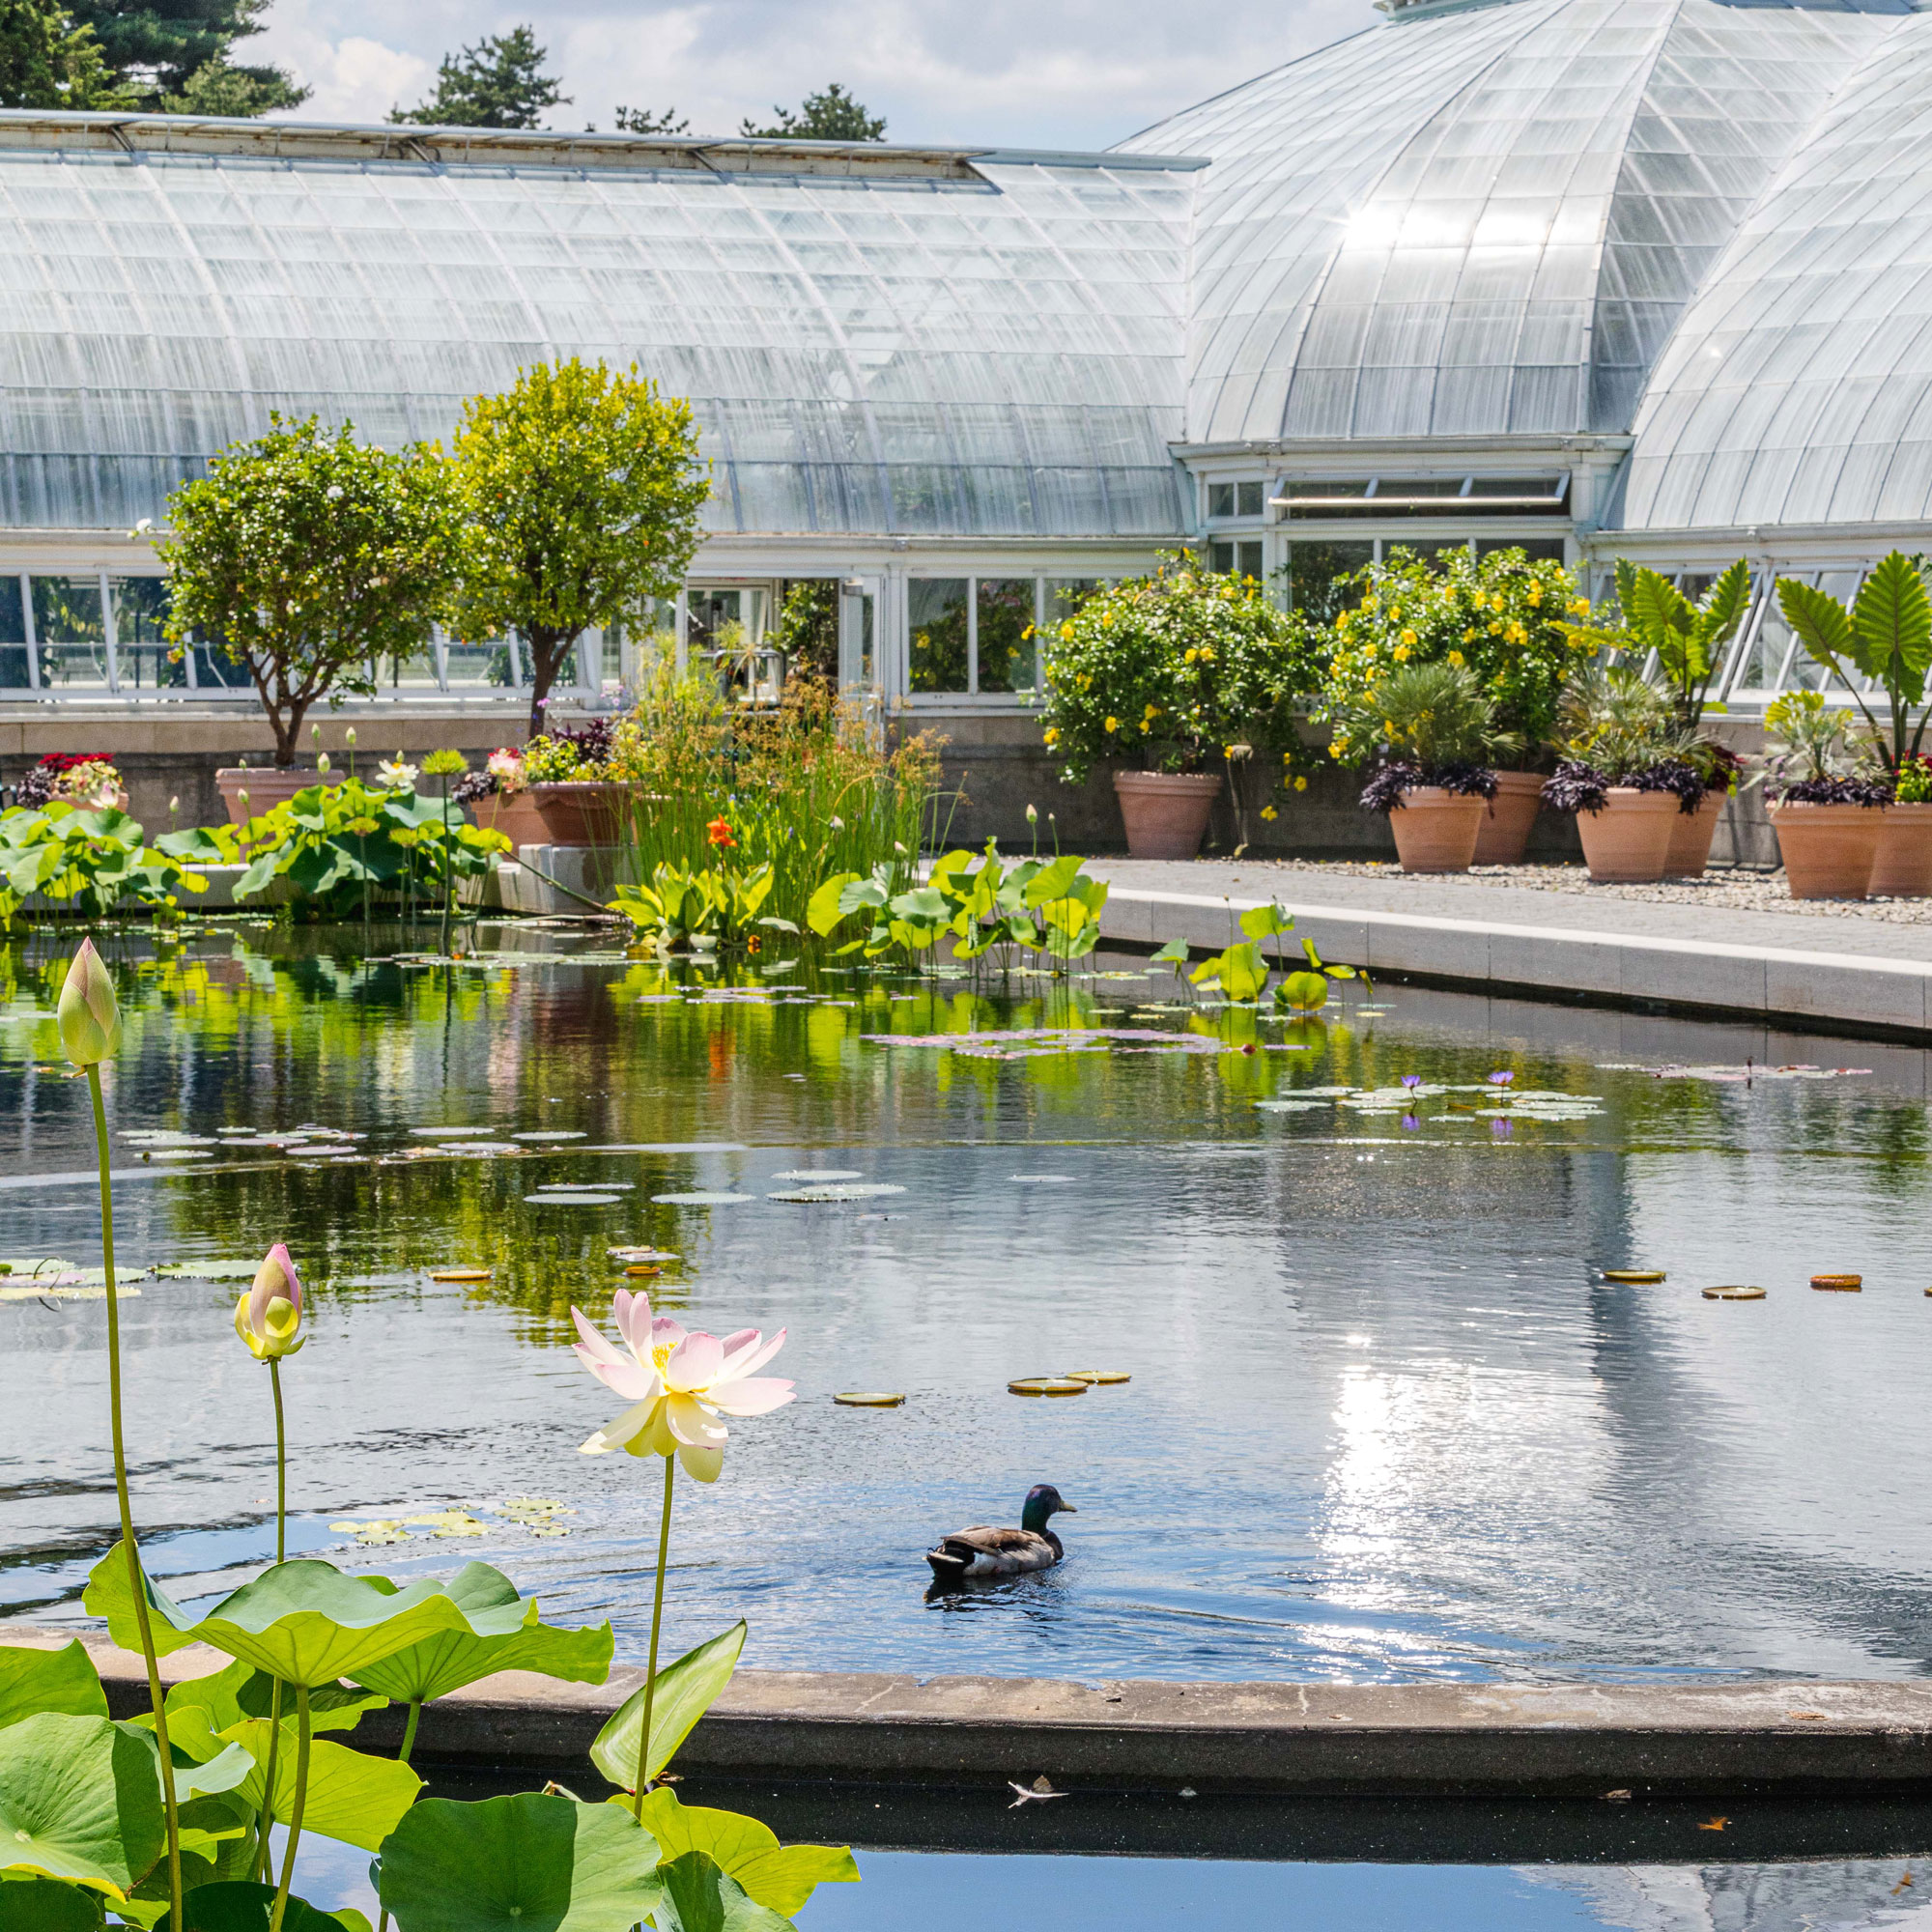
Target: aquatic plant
(91, 859)
(716, 903)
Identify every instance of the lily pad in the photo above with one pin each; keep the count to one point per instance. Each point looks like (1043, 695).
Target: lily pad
(702, 1198)
(222, 1270)
(838, 1191)
(820, 1173)
(574, 1199)
(552, 1134)
(449, 1134)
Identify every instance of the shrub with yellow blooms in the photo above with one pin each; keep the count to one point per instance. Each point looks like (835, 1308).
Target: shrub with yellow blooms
(1185, 671)
(1500, 616)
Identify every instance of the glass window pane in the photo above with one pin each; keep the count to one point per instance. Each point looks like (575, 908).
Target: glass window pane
(937, 654)
(1250, 499)
(482, 666)
(1538, 549)
(1313, 569)
(1220, 500)
(144, 655)
(1006, 648)
(74, 644)
(12, 637)
(1221, 558)
(1250, 560)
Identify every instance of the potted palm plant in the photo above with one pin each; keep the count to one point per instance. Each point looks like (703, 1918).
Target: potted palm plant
(1685, 644)
(1826, 799)
(1885, 637)
(1435, 730)
(1627, 772)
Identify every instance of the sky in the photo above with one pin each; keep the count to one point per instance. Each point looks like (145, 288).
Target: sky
(1041, 73)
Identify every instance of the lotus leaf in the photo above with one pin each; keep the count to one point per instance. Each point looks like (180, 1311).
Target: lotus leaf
(685, 1691)
(504, 1634)
(46, 1905)
(239, 1906)
(518, 1864)
(80, 1799)
(239, 1691)
(304, 1622)
(699, 1897)
(33, 1680)
(780, 1876)
(352, 1795)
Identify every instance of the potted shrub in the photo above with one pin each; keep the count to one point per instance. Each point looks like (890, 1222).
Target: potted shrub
(1501, 617)
(83, 778)
(569, 778)
(1436, 734)
(1885, 637)
(1656, 625)
(1828, 810)
(498, 799)
(1179, 679)
(1627, 773)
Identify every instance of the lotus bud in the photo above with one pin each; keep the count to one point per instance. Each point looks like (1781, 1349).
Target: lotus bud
(349, 737)
(322, 763)
(269, 1317)
(90, 1015)
(1032, 814)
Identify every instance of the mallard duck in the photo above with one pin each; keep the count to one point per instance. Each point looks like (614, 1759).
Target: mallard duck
(984, 1551)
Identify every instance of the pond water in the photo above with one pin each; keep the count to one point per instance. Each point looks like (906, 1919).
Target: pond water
(1386, 1419)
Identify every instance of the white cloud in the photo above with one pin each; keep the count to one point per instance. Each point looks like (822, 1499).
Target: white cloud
(1075, 74)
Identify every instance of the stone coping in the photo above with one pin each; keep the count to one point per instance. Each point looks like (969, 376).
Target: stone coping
(1417, 1740)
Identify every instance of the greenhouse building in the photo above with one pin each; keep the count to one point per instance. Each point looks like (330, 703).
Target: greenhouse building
(1590, 276)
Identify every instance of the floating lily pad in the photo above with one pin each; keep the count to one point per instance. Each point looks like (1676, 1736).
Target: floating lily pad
(703, 1197)
(552, 1134)
(640, 1254)
(1039, 1180)
(1300, 1106)
(1633, 1277)
(219, 1270)
(459, 1274)
(819, 1174)
(1739, 1291)
(869, 1399)
(449, 1134)
(837, 1192)
(574, 1199)
(1099, 1377)
(587, 1187)
(174, 1154)
(1046, 1385)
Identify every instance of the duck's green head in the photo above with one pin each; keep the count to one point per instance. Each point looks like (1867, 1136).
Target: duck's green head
(1042, 1501)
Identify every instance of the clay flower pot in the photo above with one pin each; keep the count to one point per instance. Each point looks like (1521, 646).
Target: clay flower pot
(266, 787)
(581, 811)
(1165, 812)
(1903, 869)
(1690, 836)
(1829, 850)
(1628, 842)
(1436, 830)
(1508, 817)
(516, 816)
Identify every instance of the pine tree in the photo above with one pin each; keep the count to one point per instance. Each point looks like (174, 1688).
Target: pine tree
(830, 115)
(175, 56)
(497, 83)
(48, 61)
(641, 121)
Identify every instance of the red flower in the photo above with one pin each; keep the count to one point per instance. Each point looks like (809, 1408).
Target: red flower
(719, 832)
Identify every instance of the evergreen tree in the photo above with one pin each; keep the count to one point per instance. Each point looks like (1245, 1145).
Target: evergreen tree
(48, 61)
(497, 83)
(641, 121)
(175, 55)
(830, 115)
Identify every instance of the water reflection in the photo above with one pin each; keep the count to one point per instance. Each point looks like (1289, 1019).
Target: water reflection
(1385, 1420)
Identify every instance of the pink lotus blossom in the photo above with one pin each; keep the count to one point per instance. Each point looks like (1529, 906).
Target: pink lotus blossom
(269, 1317)
(677, 1384)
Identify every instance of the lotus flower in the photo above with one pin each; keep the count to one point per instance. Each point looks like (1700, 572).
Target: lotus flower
(269, 1317)
(677, 1384)
(396, 771)
(90, 1015)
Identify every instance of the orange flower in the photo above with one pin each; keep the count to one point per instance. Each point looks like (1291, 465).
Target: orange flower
(719, 832)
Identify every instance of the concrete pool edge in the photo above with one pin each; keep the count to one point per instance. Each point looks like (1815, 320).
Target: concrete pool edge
(1414, 1740)
(1803, 990)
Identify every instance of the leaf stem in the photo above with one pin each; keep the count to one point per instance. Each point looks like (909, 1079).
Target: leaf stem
(137, 1582)
(263, 1843)
(410, 1732)
(281, 1466)
(296, 1814)
(657, 1624)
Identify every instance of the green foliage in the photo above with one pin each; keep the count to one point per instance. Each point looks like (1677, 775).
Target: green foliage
(1175, 671)
(241, 1906)
(684, 1691)
(351, 1796)
(337, 844)
(509, 1865)
(549, 760)
(306, 556)
(497, 83)
(1307, 992)
(719, 904)
(236, 92)
(1615, 721)
(641, 121)
(1429, 715)
(698, 1896)
(829, 115)
(581, 488)
(34, 1681)
(1885, 636)
(160, 46)
(46, 60)
(1501, 617)
(80, 1799)
(93, 859)
(782, 1876)
(1240, 971)
(46, 1905)
(238, 1693)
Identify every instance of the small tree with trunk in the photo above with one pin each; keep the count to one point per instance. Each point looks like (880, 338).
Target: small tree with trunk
(306, 556)
(581, 489)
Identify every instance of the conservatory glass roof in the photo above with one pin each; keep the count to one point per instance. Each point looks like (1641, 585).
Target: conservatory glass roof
(921, 343)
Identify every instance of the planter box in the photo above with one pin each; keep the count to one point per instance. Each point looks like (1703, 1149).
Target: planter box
(1436, 831)
(1903, 867)
(515, 816)
(1628, 842)
(1829, 850)
(266, 787)
(1690, 836)
(581, 811)
(1508, 818)
(1165, 812)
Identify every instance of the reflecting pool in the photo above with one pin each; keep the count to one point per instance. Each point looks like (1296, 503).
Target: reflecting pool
(1386, 1419)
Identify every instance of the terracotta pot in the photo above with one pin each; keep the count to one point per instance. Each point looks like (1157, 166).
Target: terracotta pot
(1629, 840)
(515, 816)
(1903, 869)
(1829, 850)
(1507, 819)
(1165, 812)
(266, 787)
(1690, 836)
(1436, 831)
(581, 811)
